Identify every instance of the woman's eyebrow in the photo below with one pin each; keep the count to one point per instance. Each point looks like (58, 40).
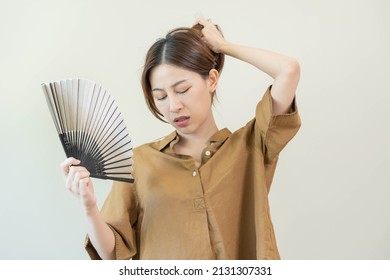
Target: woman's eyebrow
(175, 84)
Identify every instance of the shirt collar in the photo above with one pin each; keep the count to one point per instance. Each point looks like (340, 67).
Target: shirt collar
(218, 138)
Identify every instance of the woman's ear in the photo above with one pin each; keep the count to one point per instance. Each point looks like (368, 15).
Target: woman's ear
(213, 80)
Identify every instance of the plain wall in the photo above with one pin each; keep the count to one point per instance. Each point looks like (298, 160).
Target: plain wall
(330, 195)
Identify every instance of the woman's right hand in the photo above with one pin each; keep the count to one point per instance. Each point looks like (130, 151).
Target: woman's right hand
(79, 183)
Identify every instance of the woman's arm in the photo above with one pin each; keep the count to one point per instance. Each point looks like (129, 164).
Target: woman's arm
(100, 234)
(283, 69)
(79, 183)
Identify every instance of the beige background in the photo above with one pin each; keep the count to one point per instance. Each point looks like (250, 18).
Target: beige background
(330, 196)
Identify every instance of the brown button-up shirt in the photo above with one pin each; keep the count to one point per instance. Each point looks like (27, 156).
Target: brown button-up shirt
(220, 210)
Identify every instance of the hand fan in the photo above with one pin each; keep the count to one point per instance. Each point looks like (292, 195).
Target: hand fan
(91, 128)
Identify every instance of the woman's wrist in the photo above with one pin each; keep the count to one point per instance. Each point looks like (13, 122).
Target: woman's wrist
(90, 211)
(225, 48)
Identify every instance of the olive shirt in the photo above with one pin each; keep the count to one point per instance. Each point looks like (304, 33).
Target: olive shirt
(220, 210)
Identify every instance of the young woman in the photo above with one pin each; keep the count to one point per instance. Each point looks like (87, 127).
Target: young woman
(200, 192)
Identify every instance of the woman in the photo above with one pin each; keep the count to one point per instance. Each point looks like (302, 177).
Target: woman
(200, 192)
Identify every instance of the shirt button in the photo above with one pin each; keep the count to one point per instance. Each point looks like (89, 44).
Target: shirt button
(194, 173)
(207, 153)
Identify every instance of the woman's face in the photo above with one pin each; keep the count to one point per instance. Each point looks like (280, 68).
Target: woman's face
(184, 97)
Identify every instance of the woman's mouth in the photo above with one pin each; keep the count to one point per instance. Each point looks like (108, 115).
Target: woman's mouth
(181, 121)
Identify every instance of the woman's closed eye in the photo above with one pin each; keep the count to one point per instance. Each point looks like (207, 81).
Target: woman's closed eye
(161, 97)
(180, 91)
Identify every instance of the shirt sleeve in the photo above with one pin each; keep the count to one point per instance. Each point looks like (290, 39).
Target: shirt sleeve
(275, 130)
(120, 212)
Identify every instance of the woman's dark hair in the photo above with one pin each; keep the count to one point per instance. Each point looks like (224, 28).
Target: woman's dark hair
(182, 47)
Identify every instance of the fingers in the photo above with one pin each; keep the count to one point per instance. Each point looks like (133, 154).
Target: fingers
(78, 182)
(66, 164)
(86, 194)
(75, 176)
(85, 187)
(207, 23)
(212, 36)
(202, 21)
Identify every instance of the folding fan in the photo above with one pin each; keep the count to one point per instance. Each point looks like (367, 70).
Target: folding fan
(91, 128)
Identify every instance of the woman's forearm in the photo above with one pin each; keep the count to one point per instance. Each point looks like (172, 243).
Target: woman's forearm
(100, 234)
(283, 69)
(269, 62)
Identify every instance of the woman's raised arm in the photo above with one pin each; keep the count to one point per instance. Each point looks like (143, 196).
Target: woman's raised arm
(283, 69)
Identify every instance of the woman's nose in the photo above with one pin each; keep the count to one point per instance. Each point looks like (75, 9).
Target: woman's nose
(175, 104)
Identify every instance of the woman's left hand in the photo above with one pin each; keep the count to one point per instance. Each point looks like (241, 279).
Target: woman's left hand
(212, 36)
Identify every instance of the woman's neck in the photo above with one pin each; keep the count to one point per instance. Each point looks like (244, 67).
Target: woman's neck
(196, 140)
(194, 143)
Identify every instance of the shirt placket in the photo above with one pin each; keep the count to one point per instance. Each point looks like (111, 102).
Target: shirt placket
(199, 202)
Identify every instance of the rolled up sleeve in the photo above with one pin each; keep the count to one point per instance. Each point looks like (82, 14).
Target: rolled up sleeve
(275, 130)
